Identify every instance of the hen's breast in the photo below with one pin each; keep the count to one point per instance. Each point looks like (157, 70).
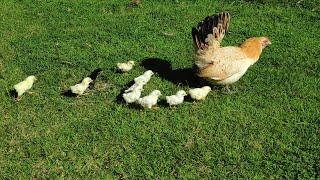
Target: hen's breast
(228, 65)
(232, 79)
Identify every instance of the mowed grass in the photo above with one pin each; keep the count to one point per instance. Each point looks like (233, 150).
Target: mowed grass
(270, 128)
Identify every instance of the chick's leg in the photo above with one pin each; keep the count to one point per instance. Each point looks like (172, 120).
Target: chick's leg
(17, 99)
(30, 93)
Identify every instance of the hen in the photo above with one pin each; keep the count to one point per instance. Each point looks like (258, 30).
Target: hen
(223, 65)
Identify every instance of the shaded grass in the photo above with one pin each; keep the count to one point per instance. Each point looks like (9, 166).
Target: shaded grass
(269, 129)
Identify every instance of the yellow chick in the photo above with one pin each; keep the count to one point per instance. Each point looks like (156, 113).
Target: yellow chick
(80, 88)
(132, 96)
(134, 86)
(150, 100)
(176, 99)
(144, 78)
(125, 67)
(24, 86)
(199, 93)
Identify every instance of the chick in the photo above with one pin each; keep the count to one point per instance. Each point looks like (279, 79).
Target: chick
(134, 86)
(199, 93)
(144, 78)
(125, 67)
(150, 100)
(132, 96)
(80, 88)
(24, 86)
(176, 99)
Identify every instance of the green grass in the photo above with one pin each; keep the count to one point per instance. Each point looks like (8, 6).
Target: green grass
(269, 129)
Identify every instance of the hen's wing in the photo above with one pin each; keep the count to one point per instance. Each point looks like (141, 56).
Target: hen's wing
(228, 62)
(209, 32)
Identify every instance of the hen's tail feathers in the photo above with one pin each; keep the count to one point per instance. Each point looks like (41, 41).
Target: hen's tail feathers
(211, 30)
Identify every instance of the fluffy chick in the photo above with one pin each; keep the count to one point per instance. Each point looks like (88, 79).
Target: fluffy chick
(134, 86)
(80, 88)
(125, 67)
(199, 93)
(132, 96)
(150, 100)
(176, 99)
(144, 78)
(24, 86)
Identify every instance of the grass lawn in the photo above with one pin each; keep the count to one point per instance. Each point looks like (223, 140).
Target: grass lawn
(270, 128)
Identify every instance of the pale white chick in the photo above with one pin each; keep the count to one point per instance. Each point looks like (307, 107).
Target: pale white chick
(132, 96)
(150, 100)
(24, 86)
(199, 93)
(80, 88)
(144, 78)
(134, 86)
(125, 67)
(176, 99)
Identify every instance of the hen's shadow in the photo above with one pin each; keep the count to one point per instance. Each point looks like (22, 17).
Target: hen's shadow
(163, 68)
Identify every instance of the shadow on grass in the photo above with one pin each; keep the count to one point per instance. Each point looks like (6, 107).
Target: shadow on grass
(163, 68)
(186, 76)
(13, 94)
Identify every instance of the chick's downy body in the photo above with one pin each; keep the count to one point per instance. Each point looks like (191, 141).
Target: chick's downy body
(177, 98)
(132, 96)
(135, 86)
(150, 100)
(125, 67)
(144, 78)
(80, 88)
(199, 93)
(25, 85)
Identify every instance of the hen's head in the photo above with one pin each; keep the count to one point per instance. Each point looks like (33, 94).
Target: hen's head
(254, 46)
(257, 42)
(264, 41)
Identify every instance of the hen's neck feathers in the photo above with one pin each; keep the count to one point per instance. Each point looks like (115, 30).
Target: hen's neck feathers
(252, 48)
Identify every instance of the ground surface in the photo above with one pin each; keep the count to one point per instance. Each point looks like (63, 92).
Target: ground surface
(269, 129)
